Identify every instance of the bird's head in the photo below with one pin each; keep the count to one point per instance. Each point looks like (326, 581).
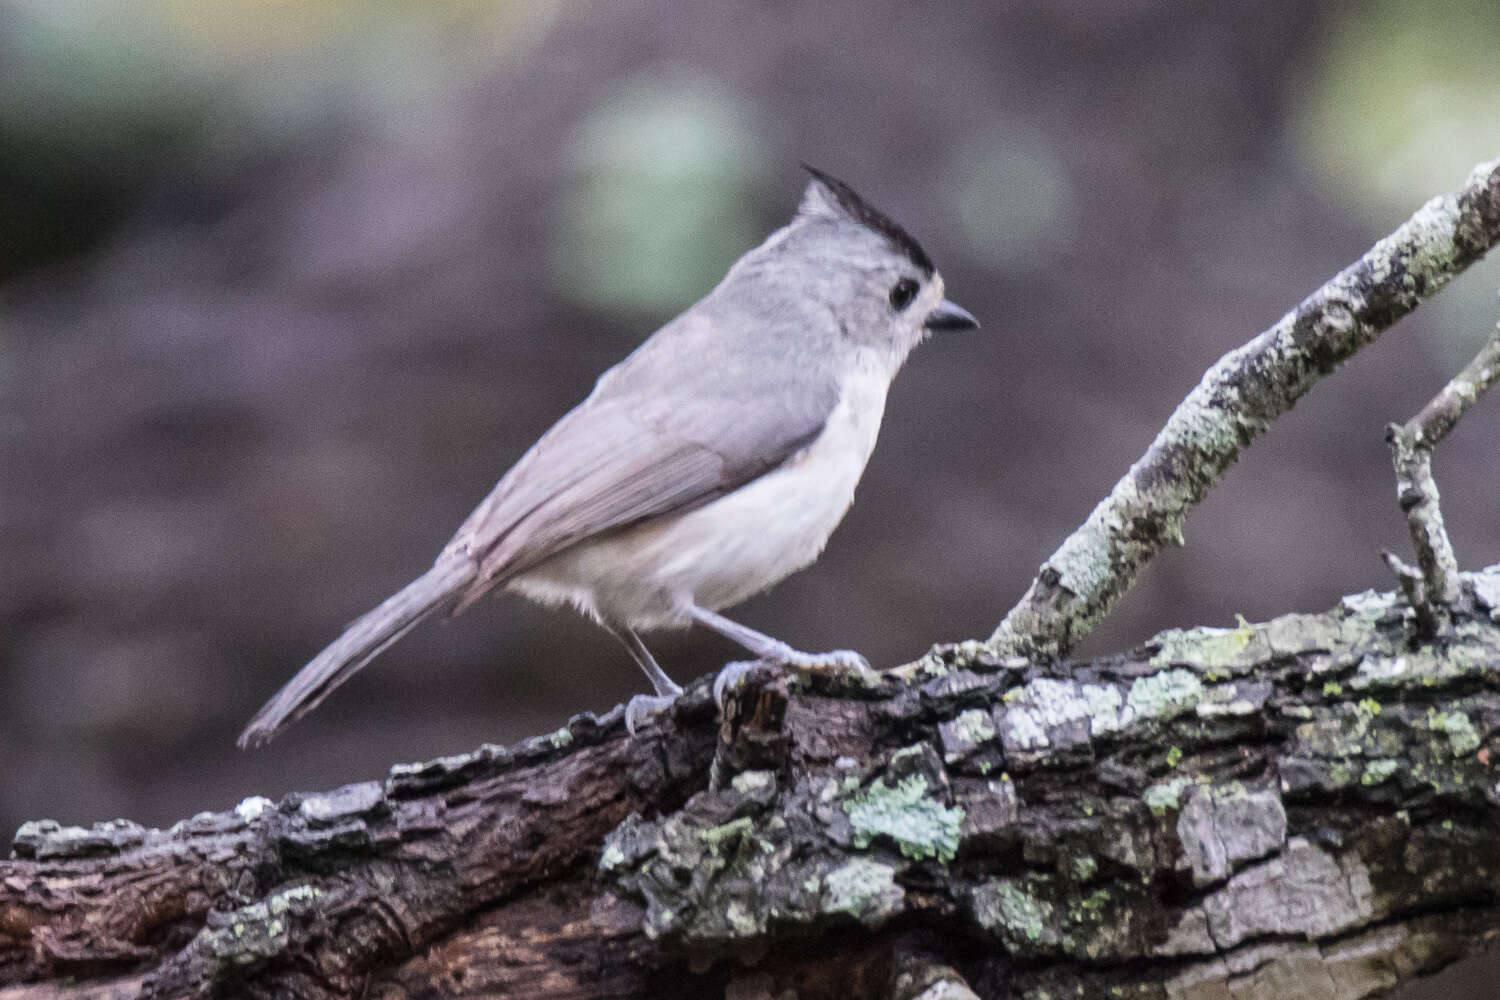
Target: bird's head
(872, 274)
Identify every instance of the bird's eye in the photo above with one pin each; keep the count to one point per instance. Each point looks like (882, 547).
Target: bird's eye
(902, 292)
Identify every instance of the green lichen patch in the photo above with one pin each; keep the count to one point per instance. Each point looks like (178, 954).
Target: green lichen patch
(1378, 771)
(1219, 651)
(1043, 915)
(1006, 908)
(253, 934)
(1463, 738)
(727, 836)
(919, 825)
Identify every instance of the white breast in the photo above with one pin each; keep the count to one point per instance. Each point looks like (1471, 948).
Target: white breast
(725, 551)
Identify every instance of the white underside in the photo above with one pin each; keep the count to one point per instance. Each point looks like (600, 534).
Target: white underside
(719, 554)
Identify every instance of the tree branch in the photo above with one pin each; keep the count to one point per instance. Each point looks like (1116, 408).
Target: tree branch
(1217, 811)
(1234, 403)
(1434, 590)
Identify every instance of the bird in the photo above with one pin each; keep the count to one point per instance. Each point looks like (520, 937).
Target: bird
(712, 462)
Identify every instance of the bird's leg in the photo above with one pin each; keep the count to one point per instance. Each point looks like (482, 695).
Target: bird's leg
(643, 706)
(840, 661)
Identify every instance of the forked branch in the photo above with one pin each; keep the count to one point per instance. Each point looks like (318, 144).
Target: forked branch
(1235, 402)
(1433, 589)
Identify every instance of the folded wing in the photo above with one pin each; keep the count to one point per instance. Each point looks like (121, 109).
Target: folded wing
(674, 426)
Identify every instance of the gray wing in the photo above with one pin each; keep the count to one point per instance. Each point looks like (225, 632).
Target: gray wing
(685, 419)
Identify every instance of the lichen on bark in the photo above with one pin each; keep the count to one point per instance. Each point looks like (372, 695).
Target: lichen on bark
(1236, 401)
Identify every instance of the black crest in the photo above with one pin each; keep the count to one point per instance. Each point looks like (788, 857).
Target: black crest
(864, 213)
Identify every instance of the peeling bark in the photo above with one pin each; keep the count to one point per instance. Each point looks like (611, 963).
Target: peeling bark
(1220, 813)
(1235, 402)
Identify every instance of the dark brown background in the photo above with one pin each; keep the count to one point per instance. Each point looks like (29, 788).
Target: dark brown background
(282, 293)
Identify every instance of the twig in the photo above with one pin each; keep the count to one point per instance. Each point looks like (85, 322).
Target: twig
(1416, 490)
(1235, 402)
(1415, 591)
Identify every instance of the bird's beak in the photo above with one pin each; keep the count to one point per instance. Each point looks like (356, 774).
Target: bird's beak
(950, 316)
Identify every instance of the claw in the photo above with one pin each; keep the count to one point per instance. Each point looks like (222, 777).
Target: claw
(640, 709)
(730, 677)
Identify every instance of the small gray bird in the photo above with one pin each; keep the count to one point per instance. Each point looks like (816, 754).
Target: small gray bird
(708, 465)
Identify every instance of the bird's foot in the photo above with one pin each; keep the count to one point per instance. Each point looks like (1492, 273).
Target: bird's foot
(837, 663)
(640, 709)
(842, 663)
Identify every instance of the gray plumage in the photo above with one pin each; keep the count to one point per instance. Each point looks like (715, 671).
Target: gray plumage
(705, 467)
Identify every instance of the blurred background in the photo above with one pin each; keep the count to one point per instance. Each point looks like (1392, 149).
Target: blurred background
(285, 285)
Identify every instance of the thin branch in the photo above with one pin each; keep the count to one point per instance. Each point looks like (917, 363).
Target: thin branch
(1442, 414)
(1414, 589)
(1235, 402)
(1416, 490)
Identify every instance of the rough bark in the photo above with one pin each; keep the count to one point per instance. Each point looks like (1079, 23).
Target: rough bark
(1433, 588)
(1311, 800)
(1235, 402)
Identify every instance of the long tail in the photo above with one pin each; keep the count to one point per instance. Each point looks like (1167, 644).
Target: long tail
(360, 643)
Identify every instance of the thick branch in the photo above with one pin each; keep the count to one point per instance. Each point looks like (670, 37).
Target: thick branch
(1235, 402)
(1209, 816)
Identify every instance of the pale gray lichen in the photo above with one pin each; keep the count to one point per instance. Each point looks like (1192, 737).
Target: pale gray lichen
(612, 857)
(1486, 586)
(341, 803)
(969, 730)
(252, 808)
(1044, 704)
(1165, 694)
(753, 784)
(1370, 605)
(1167, 795)
(1103, 703)
(744, 922)
(1023, 730)
(921, 827)
(863, 889)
